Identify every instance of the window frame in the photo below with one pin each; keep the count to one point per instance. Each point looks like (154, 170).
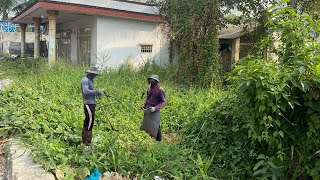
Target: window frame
(146, 48)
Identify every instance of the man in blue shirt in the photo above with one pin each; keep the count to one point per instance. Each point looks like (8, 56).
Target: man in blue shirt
(89, 95)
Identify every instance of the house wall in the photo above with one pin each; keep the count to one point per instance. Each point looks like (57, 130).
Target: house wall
(10, 42)
(94, 40)
(119, 40)
(73, 26)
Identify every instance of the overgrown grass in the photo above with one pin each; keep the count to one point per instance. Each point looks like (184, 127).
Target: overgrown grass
(266, 126)
(44, 109)
(208, 133)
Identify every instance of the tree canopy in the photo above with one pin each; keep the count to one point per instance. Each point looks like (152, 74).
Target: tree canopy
(12, 7)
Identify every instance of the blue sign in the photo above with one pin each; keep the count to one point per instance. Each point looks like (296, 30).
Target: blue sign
(12, 27)
(8, 27)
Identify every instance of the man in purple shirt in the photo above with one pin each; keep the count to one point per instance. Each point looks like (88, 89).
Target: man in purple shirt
(155, 100)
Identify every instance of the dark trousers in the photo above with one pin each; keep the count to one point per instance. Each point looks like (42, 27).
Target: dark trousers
(159, 135)
(89, 111)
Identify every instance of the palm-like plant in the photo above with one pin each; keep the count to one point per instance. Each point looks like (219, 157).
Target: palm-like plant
(21, 6)
(5, 8)
(13, 7)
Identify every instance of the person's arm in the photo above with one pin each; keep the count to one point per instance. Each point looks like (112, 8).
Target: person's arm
(86, 91)
(162, 101)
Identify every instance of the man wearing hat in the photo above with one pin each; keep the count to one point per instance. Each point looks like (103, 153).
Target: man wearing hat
(89, 95)
(155, 100)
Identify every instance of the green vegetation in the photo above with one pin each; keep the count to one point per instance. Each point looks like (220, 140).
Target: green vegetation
(194, 44)
(267, 126)
(264, 125)
(44, 108)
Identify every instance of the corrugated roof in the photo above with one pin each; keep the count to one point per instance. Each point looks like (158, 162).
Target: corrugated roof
(232, 32)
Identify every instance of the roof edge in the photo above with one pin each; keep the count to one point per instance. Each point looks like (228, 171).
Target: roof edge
(135, 2)
(38, 3)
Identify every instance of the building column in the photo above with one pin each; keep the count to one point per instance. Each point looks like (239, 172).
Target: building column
(52, 36)
(236, 50)
(37, 22)
(74, 47)
(23, 39)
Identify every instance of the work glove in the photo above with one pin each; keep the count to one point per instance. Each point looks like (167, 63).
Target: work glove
(100, 92)
(152, 109)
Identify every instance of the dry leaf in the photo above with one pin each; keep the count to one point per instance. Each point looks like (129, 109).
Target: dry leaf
(59, 174)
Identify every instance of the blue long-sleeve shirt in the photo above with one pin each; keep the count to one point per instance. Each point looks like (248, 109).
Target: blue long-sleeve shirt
(88, 92)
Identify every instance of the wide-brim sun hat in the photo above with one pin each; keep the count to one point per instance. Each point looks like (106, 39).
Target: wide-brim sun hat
(93, 70)
(155, 77)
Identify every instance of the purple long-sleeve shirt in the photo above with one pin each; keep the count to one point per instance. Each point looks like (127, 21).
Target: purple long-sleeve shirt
(156, 98)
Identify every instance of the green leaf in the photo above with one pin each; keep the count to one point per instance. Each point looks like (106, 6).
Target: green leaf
(256, 166)
(275, 134)
(261, 156)
(281, 134)
(318, 152)
(291, 104)
(278, 123)
(302, 69)
(304, 86)
(272, 165)
(261, 171)
(86, 171)
(262, 108)
(314, 172)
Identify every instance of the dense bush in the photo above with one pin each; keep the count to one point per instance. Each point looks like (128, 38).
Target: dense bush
(269, 125)
(266, 125)
(192, 28)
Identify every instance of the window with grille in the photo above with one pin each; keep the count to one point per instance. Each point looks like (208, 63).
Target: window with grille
(84, 46)
(146, 48)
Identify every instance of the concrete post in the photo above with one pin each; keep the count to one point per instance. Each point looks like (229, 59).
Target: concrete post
(236, 50)
(52, 36)
(37, 22)
(23, 39)
(74, 47)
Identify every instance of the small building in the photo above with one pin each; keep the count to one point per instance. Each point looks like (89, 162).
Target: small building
(10, 38)
(91, 32)
(235, 43)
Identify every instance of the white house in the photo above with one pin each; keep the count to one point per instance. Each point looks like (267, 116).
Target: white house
(97, 31)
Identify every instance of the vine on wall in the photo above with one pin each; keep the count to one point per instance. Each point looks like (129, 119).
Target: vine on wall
(193, 34)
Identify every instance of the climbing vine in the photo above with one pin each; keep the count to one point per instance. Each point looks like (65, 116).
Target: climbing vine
(193, 34)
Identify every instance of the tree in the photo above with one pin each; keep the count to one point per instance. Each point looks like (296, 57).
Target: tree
(13, 7)
(20, 7)
(6, 7)
(193, 32)
(307, 6)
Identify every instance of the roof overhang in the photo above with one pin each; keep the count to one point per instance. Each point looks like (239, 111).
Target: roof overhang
(233, 32)
(70, 11)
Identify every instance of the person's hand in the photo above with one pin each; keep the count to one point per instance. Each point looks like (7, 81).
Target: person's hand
(152, 109)
(100, 92)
